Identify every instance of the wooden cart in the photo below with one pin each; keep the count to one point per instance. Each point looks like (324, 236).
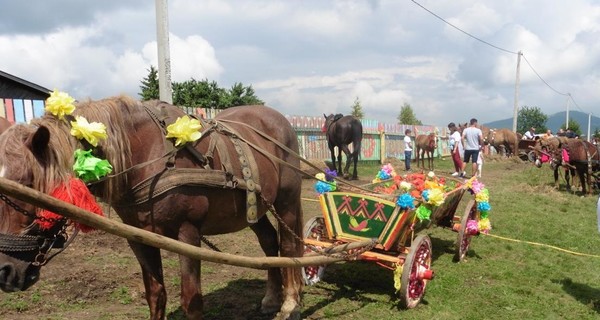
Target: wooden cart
(349, 217)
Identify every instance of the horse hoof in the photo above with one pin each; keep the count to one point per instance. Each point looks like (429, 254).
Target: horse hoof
(346, 176)
(290, 310)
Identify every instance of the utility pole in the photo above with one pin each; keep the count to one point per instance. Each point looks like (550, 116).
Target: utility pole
(589, 126)
(516, 107)
(164, 60)
(567, 123)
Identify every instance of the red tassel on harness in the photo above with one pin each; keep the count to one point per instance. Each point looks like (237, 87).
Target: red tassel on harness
(77, 194)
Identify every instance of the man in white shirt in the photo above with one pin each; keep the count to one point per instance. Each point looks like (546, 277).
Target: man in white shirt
(473, 141)
(530, 134)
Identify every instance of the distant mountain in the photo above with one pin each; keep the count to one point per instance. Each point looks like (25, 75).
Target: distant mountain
(555, 121)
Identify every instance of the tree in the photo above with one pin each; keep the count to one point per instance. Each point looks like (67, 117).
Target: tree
(357, 109)
(573, 125)
(204, 94)
(596, 133)
(407, 116)
(240, 96)
(149, 86)
(531, 117)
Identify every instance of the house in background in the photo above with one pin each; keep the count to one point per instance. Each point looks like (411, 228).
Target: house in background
(21, 100)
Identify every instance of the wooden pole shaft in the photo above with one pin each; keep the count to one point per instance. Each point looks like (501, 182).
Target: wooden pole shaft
(42, 200)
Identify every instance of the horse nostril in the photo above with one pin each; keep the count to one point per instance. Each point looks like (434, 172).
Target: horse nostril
(6, 275)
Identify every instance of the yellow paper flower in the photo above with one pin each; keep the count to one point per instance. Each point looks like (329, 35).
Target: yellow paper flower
(436, 197)
(60, 104)
(92, 132)
(484, 225)
(320, 176)
(184, 130)
(433, 185)
(482, 197)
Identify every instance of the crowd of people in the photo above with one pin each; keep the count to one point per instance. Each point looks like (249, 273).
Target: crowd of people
(467, 146)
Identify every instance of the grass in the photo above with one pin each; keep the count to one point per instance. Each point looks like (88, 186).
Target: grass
(500, 279)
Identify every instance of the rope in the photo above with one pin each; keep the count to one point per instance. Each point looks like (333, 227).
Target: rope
(543, 245)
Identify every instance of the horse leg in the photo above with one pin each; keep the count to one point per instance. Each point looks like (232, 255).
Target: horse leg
(332, 149)
(191, 290)
(349, 157)
(355, 159)
(267, 238)
(289, 208)
(156, 295)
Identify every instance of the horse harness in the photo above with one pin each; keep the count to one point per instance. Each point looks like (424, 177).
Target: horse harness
(172, 177)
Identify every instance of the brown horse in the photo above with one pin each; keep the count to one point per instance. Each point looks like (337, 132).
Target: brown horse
(222, 183)
(425, 144)
(503, 140)
(4, 124)
(341, 131)
(550, 151)
(584, 159)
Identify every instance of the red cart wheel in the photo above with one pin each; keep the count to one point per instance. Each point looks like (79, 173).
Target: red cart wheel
(464, 236)
(313, 229)
(416, 272)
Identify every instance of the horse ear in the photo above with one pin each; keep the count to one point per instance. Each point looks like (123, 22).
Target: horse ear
(38, 143)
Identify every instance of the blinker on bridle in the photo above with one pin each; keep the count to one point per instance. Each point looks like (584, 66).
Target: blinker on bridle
(43, 243)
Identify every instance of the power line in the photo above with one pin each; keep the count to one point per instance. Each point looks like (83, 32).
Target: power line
(544, 81)
(502, 49)
(459, 29)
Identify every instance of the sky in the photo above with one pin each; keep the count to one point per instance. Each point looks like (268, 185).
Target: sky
(317, 57)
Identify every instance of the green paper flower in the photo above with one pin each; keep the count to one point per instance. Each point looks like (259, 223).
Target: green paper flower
(89, 168)
(423, 212)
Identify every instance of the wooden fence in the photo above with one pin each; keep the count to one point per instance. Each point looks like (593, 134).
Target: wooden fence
(380, 140)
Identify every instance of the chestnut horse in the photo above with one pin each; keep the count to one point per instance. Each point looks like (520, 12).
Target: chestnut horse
(584, 159)
(503, 140)
(550, 151)
(425, 144)
(341, 131)
(203, 188)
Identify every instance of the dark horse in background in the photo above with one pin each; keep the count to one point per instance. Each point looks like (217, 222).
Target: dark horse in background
(341, 131)
(425, 145)
(40, 155)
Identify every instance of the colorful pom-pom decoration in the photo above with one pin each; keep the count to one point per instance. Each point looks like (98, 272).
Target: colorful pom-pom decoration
(406, 201)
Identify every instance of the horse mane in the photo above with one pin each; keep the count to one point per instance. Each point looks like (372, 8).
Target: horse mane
(118, 115)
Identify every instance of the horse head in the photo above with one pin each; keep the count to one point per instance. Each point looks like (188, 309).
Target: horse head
(433, 141)
(547, 151)
(26, 237)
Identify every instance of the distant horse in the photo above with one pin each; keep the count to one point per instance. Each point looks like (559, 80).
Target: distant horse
(341, 131)
(224, 182)
(584, 159)
(4, 124)
(425, 144)
(550, 151)
(504, 141)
